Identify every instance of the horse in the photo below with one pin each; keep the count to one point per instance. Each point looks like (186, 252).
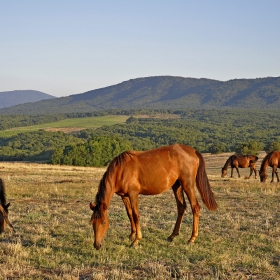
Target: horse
(241, 161)
(150, 173)
(4, 209)
(273, 160)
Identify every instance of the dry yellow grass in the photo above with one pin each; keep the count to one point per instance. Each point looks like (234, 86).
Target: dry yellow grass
(49, 210)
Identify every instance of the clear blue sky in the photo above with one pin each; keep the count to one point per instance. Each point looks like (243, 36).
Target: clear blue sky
(64, 47)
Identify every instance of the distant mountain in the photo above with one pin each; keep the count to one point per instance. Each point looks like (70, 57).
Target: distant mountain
(12, 98)
(164, 92)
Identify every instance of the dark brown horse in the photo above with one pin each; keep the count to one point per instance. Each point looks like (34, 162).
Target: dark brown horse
(4, 208)
(273, 160)
(149, 173)
(244, 161)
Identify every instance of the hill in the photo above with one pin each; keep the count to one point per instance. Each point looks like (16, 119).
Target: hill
(164, 92)
(16, 97)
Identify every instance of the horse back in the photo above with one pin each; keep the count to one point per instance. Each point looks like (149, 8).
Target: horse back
(274, 159)
(155, 171)
(244, 161)
(175, 158)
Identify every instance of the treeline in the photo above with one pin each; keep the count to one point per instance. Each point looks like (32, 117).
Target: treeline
(11, 121)
(214, 131)
(215, 135)
(98, 151)
(35, 146)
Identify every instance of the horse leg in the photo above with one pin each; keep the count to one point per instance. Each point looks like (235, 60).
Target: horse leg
(127, 205)
(231, 176)
(181, 208)
(255, 173)
(251, 172)
(274, 170)
(237, 171)
(134, 201)
(190, 191)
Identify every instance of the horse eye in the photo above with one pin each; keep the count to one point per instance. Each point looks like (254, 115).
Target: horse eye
(104, 223)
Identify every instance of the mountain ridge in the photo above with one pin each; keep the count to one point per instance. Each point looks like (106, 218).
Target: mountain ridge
(164, 92)
(16, 97)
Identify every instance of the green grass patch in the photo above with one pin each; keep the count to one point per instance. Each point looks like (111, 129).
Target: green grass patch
(68, 125)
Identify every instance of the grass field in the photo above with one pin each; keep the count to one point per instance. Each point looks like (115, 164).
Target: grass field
(53, 239)
(68, 125)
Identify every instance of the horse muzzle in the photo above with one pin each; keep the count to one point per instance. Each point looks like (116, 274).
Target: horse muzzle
(98, 245)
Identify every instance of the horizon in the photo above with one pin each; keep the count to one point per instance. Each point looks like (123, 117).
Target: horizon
(140, 78)
(136, 79)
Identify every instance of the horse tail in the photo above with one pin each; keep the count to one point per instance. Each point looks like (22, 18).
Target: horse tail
(203, 185)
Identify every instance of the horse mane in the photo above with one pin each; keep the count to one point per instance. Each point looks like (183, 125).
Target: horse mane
(228, 162)
(264, 161)
(105, 181)
(3, 201)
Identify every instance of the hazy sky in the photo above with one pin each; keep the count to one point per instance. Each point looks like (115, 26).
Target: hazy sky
(64, 47)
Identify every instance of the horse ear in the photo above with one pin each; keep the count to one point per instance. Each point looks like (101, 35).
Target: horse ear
(104, 206)
(91, 206)
(8, 205)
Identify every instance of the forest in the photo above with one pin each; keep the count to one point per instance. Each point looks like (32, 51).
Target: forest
(209, 131)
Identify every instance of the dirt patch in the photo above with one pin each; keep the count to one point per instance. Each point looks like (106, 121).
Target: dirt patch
(67, 130)
(158, 116)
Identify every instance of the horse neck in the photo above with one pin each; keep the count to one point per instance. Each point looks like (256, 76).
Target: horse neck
(108, 195)
(107, 185)
(265, 163)
(105, 190)
(227, 163)
(252, 158)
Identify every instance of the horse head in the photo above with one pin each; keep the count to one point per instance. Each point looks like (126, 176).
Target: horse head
(263, 175)
(4, 220)
(224, 172)
(100, 223)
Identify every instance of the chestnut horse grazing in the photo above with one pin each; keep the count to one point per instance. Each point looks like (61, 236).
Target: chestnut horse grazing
(4, 209)
(236, 161)
(149, 173)
(273, 160)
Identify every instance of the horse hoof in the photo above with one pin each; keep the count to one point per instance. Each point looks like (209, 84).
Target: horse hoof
(132, 236)
(134, 244)
(190, 243)
(170, 238)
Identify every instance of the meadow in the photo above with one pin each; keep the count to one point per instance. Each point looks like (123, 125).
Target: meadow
(54, 240)
(68, 125)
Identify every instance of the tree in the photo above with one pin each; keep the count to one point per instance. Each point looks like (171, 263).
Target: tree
(251, 147)
(217, 148)
(98, 151)
(272, 146)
